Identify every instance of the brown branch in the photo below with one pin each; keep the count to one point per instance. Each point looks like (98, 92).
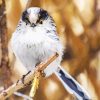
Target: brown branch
(27, 79)
(33, 3)
(4, 46)
(28, 3)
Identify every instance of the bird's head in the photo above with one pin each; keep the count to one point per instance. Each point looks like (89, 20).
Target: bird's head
(35, 16)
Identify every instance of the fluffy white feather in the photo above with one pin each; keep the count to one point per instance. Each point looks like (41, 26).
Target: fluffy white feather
(34, 45)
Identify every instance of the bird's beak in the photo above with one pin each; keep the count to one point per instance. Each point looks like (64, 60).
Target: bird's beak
(33, 25)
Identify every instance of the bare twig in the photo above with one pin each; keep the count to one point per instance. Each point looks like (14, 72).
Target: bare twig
(27, 79)
(28, 3)
(23, 95)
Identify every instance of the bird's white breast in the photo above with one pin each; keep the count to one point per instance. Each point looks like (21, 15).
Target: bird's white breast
(32, 47)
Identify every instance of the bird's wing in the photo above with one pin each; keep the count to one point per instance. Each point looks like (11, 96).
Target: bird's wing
(53, 35)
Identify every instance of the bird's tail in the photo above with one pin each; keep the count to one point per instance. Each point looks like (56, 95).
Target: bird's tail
(71, 85)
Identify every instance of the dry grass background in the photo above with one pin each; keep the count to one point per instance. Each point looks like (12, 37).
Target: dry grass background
(78, 25)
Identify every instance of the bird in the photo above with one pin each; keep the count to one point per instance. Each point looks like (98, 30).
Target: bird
(35, 40)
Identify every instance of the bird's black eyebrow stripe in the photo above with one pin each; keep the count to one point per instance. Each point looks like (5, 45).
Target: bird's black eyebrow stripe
(25, 17)
(43, 14)
(24, 14)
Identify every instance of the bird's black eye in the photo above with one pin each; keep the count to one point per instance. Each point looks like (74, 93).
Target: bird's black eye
(40, 22)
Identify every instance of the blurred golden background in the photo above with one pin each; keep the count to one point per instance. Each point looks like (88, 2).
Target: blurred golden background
(78, 25)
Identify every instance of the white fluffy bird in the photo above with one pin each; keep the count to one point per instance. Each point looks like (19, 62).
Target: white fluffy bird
(35, 40)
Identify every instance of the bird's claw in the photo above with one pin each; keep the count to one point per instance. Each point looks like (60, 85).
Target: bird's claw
(42, 73)
(23, 77)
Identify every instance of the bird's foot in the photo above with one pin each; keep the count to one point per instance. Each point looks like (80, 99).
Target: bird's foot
(42, 73)
(23, 77)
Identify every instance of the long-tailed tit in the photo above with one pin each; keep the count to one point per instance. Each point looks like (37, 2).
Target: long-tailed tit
(35, 39)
